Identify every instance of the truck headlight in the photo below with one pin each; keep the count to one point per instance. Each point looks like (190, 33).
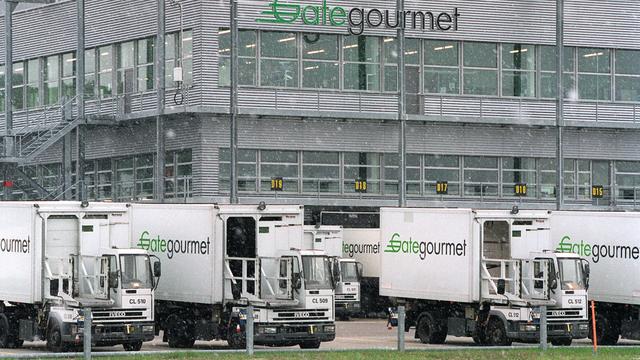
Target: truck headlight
(330, 328)
(528, 327)
(148, 328)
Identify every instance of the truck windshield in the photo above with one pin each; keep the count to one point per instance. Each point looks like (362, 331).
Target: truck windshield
(136, 272)
(349, 272)
(317, 272)
(571, 274)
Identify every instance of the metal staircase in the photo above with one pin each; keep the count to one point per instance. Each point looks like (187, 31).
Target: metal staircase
(36, 137)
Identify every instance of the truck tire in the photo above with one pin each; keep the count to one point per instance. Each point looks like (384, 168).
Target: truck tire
(562, 342)
(179, 333)
(426, 329)
(496, 333)
(607, 330)
(132, 346)
(54, 338)
(7, 338)
(315, 344)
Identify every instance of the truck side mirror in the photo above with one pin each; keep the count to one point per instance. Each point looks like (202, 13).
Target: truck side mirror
(502, 285)
(587, 271)
(157, 269)
(296, 284)
(113, 280)
(359, 267)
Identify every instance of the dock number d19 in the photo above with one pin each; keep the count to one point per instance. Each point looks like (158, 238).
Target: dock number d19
(361, 186)
(597, 191)
(521, 189)
(277, 184)
(442, 187)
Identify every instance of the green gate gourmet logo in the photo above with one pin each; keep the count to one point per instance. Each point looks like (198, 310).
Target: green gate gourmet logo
(424, 248)
(357, 18)
(597, 252)
(172, 247)
(15, 245)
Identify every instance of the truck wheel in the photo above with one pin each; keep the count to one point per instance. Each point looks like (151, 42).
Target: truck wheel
(310, 344)
(54, 338)
(425, 329)
(562, 342)
(440, 337)
(4, 331)
(606, 330)
(496, 333)
(133, 346)
(179, 333)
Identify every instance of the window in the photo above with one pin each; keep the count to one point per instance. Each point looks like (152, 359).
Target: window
(518, 70)
(320, 67)
(362, 166)
(278, 59)
(105, 71)
(187, 57)
(18, 81)
(90, 179)
(627, 75)
(126, 64)
(33, 83)
(361, 56)
(548, 86)
(594, 78)
(124, 179)
(145, 58)
(69, 75)
(411, 61)
(90, 74)
(278, 163)
(519, 171)
(144, 177)
(178, 184)
(51, 78)
(441, 72)
(320, 172)
(442, 168)
(480, 68)
(2, 70)
(601, 175)
(247, 44)
(480, 176)
(628, 180)
(392, 174)
(104, 179)
(51, 176)
(247, 170)
(547, 178)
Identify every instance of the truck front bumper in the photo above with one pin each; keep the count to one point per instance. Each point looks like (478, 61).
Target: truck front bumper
(530, 332)
(348, 308)
(106, 334)
(289, 335)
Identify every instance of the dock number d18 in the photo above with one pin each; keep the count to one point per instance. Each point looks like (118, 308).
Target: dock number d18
(277, 184)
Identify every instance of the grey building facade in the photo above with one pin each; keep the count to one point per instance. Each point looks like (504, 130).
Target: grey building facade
(318, 107)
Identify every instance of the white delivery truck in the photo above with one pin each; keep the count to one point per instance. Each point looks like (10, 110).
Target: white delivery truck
(57, 258)
(348, 272)
(219, 259)
(481, 274)
(610, 241)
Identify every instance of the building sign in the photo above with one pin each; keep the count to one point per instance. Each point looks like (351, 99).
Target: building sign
(361, 186)
(277, 184)
(442, 187)
(597, 191)
(357, 19)
(520, 189)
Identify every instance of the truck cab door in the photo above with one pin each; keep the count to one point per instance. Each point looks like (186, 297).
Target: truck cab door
(286, 283)
(538, 278)
(102, 278)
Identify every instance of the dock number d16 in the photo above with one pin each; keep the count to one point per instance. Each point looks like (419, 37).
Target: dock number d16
(521, 189)
(361, 186)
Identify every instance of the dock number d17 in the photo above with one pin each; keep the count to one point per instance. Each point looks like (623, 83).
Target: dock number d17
(442, 187)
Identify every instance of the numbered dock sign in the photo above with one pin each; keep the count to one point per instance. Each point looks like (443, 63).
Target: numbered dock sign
(277, 184)
(361, 186)
(597, 191)
(521, 189)
(442, 187)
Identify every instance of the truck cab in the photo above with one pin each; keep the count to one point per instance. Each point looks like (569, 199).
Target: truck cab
(348, 276)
